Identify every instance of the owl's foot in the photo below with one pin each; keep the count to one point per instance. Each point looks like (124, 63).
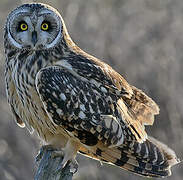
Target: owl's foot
(72, 163)
(73, 166)
(67, 160)
(44, 149)
(68, 153)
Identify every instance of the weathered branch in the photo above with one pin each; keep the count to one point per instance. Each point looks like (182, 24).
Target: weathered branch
(49, 166)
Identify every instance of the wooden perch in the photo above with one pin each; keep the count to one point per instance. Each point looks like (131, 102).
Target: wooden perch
(49, 166)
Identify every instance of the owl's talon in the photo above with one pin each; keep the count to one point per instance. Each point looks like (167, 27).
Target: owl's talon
(48, 148)
(44, 149)
(73, 166)
(57, 153)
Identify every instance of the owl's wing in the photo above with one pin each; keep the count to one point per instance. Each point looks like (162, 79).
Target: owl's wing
(78, 106)
(139, 108)
(136, 108)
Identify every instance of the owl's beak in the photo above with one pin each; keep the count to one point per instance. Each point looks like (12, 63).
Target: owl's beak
(34, 37)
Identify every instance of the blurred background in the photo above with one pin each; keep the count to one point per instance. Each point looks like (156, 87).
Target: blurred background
(143, 40)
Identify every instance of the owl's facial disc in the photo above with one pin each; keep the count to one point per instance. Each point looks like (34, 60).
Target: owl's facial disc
(35, 30)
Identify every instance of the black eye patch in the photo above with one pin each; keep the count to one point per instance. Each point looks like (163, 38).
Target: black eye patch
(46, 26)
(22, 26)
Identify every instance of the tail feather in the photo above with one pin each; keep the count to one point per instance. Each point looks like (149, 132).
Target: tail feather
(151, 158)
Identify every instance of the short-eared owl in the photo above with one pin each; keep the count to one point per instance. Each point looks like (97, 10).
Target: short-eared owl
(75, 101)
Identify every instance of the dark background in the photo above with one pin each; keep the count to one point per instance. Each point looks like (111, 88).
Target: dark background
(141, 39)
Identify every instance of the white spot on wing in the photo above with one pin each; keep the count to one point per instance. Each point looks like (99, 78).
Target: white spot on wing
(82, 115)
(59, 111)
(103, 89)
(91, 109)
(63, 97)
(73, 93)
(54, 94)
(82, 107)
(95, 82)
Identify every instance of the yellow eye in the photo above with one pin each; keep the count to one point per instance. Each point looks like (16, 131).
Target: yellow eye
(44, 26)
(23, 26)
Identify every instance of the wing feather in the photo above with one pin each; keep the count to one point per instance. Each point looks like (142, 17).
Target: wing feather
(138, 109)
(78, 106)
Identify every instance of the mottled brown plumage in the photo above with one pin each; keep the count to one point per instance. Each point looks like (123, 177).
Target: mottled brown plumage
(74, 100)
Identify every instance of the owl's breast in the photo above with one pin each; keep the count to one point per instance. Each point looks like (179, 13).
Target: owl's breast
(25, 98)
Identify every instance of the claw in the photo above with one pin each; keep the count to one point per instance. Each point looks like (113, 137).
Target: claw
(65, 161)
(42, 151)
(73, 166)
(57, 153)
(66, 155)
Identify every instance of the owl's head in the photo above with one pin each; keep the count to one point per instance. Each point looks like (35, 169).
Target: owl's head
(34, 26)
